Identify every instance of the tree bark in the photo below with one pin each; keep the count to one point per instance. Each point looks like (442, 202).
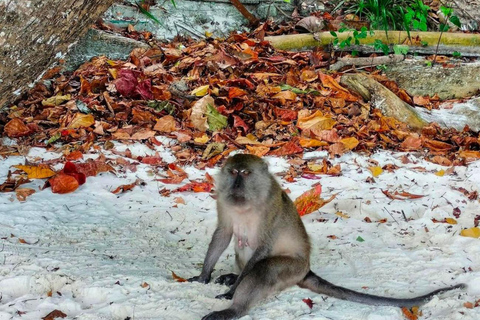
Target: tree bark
(36, 33)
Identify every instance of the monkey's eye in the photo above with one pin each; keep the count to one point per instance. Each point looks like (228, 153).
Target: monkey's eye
(245, 172)
(234, 172)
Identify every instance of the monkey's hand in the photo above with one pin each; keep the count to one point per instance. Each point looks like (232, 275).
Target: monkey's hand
(227, 279)
(227, 295)
(200, 278)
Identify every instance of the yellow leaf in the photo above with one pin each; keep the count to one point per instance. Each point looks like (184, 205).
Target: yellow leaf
(349, 143)
(55, 100)
(200, 91)
(202, 140)
(315, 167)
(37, 172)
(341, 214)
(450, 221)
(440, 173)
(315, 122)
(208, 34)
(81, 121)
(113, 72)
(376, 171)
(471, 232)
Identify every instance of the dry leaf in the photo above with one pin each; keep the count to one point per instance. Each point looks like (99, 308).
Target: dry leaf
(54, 314)
(376, 171)
(23, 193)
(471, 232)
(63, 183)
(81, 120)
(165, 124)
(37, 172)
(177, 278)
(198, 116)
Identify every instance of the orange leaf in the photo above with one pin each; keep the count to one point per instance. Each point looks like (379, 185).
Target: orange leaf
(311, 143)
(308, 202)
(63, 183)
(285, 95)
(37, 172)
(259, 151)
(177, 278)
(409, 314)
(195, 187)
(127, 187)
(165, 124)
(144, 285)
(234, 92)
(75, 155)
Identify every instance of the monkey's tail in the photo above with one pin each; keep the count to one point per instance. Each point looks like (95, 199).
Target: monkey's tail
(318, 285)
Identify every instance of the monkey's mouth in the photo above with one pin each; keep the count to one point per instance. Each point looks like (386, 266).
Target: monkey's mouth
(237, 198)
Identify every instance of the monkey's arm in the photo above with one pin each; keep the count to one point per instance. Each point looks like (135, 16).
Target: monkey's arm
(220, 240)
(260, 253)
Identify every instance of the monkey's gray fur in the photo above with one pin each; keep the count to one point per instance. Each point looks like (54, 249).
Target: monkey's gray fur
(272, 248)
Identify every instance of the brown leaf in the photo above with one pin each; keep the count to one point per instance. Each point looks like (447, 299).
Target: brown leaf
(165, 124)
(23, 193)
(403, 195)
(198, 116)
(315, 122)
(289, 148)
(15, 128)
(54, 314)
(127, 187)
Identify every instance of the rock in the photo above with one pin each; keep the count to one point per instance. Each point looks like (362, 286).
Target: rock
(418, 79)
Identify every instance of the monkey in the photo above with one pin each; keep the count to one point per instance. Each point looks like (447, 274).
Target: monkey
(272, 247)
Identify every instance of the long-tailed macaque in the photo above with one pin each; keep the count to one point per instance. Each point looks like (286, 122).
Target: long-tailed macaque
(272, 248)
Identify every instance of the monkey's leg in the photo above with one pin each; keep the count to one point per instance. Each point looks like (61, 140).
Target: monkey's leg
(227, 279)
(267, 276)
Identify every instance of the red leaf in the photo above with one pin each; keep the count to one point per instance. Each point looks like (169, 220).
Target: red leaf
(309, 302)
(144, 89)
(291, 147)
(238, 122)
(234, 92)
(195, 187)
(15, 128)
(63, 183)
(126, 82)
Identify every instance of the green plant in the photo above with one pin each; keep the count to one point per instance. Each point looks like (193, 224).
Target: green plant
(456, 54)
(379, 45)
(448, 13)
(355, 37)
(401, 49)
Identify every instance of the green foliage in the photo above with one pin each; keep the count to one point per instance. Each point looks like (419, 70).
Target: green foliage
(456, 54)
(379, 45)
(355, 37)
(401, 49)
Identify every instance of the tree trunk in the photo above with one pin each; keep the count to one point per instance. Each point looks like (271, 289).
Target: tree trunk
(36, 33)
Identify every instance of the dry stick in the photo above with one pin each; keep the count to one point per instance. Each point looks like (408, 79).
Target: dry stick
(252, 20)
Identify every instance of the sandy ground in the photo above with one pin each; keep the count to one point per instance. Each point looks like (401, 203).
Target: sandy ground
(107, 256)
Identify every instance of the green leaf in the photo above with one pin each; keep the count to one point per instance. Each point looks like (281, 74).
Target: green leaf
(175, 5)
(446, 10)
(147, 13)
(360, 239)
(455, 21)
(54, 138)
(456, 54)
(333, 33)
(444, 27)
(401, 49)
(82, 107)
(216, 121)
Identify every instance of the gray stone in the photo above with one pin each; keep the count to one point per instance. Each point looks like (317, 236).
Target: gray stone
(419, 79)
(100, 43)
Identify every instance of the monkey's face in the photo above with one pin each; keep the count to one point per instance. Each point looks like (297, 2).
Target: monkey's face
(243, 179)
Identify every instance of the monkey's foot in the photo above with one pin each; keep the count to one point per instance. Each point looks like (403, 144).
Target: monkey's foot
(227, 295)
(199, 279)
(227, 279)
(226, 314)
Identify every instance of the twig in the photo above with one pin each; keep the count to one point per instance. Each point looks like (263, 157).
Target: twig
(252, 20)
(390, 215)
